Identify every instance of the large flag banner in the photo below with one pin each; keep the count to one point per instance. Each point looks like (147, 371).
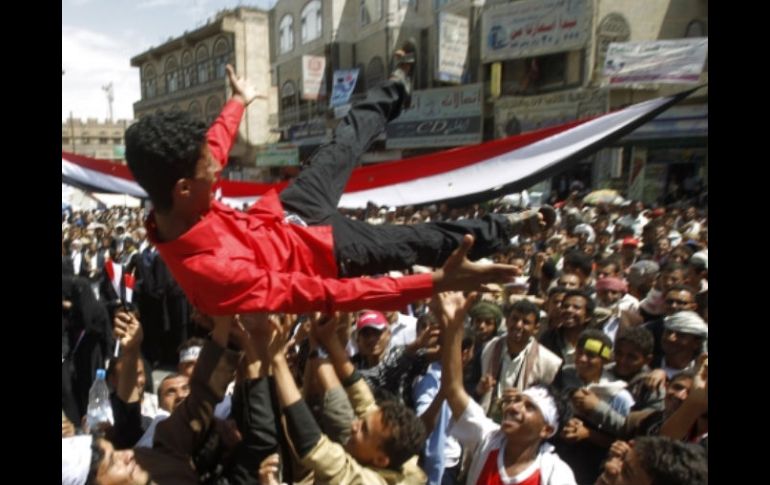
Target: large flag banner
(678, 61)
(468, 174)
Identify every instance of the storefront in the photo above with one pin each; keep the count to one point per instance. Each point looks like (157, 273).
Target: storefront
(666, 159)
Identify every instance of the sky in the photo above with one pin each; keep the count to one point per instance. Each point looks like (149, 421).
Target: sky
(99, 38)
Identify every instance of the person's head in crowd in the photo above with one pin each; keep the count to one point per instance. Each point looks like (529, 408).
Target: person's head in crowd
(485, 320)
(189, 351)
(603, 241)
(670, 274)
(669, 220)
(577, 308)
(553, 305)
(680, 254)
(662, 248)
(702, 303)
(678, 298)
(553, 245)
(87, 460)
(106, 242)
(649, 236)
(533, 415)
(518, 260)
(629, 248)
(468, 347)
(372, 335)
(601, 224)
(683, 336)
(642, 276)
(677, 390)
(527, 248)
(386, 436)
(637, 207)
(584, 233)
(522, 322)
(690, 214)
(656, 461)
(593, 352)
(571, 281)
(698, 269)
(609, 267)
(633, 350)
(172, 391)
(590, 248)
(609, 290)
(579, 263)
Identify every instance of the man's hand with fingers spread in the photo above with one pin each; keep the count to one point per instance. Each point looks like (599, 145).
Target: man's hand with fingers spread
(460, 274)
(242, 90)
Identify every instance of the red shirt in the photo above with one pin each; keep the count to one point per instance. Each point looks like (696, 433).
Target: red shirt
(490, 474)
(234, 262)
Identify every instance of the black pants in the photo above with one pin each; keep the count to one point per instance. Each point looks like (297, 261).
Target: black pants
(362, 248)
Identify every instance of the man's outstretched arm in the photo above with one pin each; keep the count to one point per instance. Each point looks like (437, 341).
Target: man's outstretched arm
(221, 135)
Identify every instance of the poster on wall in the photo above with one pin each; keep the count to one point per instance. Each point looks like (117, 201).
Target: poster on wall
(678, 61)
(452, 47)
(313, 80)
(520, 114)
(531, 28)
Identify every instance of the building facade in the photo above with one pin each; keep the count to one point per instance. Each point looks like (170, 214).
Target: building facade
(465, 45)
(94, 138)
(188, 73)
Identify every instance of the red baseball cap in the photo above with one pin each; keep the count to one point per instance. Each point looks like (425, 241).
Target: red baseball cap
(629, 241)
(373, 319)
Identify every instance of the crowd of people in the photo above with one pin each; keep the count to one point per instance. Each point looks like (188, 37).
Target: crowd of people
(571, 350)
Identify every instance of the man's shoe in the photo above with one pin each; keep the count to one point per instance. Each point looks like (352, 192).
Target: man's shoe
(530, 223)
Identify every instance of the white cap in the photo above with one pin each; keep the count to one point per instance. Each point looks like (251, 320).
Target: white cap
(75, 459)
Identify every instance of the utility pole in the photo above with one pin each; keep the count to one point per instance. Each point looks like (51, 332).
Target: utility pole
(110, 97)
(72, 131)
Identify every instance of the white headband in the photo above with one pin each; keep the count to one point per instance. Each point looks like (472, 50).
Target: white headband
(75, 459)
(189, 354)
(544, 401)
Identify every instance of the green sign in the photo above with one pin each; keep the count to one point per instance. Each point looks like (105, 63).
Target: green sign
(278, 156)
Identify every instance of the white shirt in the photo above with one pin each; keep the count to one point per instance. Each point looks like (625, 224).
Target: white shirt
(221, 411)
(477, 432)
(403, 331)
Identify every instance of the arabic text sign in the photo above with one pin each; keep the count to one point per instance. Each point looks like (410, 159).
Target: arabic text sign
(344, 84)
(313, 69)
(277, 156)
(663, 61)
(453, 47)
(439, 117)
(514, 115)
(535, 27)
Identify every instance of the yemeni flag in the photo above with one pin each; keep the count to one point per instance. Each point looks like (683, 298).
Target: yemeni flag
(464, 175)
(115, 274)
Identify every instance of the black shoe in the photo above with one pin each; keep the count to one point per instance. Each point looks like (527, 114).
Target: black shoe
(530, 223)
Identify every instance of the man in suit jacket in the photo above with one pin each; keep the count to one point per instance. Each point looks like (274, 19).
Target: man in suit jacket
(516, 359)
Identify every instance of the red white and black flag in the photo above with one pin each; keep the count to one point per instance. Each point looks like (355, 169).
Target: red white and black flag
(468, 174)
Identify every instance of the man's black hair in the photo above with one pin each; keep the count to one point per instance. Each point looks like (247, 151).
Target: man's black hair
(406, 433)
(161, 149)
(640, 339)
(670, 462)
(524, 307)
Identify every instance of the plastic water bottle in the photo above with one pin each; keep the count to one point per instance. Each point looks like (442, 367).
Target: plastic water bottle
(99, 407)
